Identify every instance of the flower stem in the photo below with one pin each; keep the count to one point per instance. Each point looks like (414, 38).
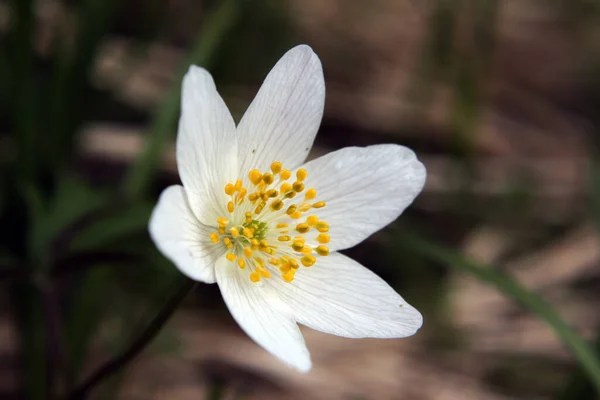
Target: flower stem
(536, 304)
(113, 365)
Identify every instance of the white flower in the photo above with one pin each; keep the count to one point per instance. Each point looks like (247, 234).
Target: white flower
(267, 228)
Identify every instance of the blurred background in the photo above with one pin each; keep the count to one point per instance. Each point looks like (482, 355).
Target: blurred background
(499, 98)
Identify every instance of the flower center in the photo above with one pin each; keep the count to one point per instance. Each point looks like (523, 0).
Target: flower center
(269, 225)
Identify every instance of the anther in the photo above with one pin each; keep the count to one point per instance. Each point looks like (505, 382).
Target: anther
(248, 233)
(296, 215)
(280, 238)
(247, 252)
(282, 225)
(322, 250)
(222, 221)
(255, 176)
(291, 209)
(308, 261)
(234, 232)
(310, 194)
(312, 220)
(298, 186)
(229, 189)
(230, 206)
(238, 185)
(276, 167)
(301, 174)
(228, 243)
(272, 193)
(302, 228)
(289, 275)
(264, 272)
(241, 263)
(285, 174)
(277, 205)
(319, 204)
(285, 188)
(254, 244)
(298, 245)
(255, 277)
(231, 257)
(323, 238)
(267, 178)
(214, 237)
(322, 226)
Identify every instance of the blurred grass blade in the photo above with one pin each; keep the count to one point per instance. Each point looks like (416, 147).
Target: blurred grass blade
(22, 84)
(511, 288)
(112, 228)
(579, 386)
(85, 315)
(71, 72)
(217, 25)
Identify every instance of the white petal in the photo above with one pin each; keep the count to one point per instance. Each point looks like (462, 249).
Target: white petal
(341, 297)
(262, 315)
(283, 119)
(365, 188)
(182, 238)
(206, 146)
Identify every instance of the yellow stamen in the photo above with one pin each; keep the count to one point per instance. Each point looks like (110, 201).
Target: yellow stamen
(276, 167)
(241, 263)
(298, 186)
(228, 243)
(234, 232)
(283, 238)
(255, 277)
(319, 204)
(312, 220)
(285, 174)
(302, 228)
(255, 176)
(308, 261)
(310, 194)
(289, 275)
(229, 189)
(280, 226)
(298, 245)
(248, 232)
(222, 221)
(230, 206)
(285, 188)
(231, 257)
(247, 252)
(214, 237)
(322, 226)
(322, 250)
(323, 238)
(267, 178)
(301, 174)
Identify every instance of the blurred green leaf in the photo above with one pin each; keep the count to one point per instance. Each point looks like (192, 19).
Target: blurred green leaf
(87, 307)
(71, 73)
(72, 200)
(511, 288)
(22, 85)
(112, 228)
(217, 25)
(27, 310)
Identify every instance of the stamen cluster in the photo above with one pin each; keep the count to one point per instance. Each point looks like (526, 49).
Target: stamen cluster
(269, 225)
